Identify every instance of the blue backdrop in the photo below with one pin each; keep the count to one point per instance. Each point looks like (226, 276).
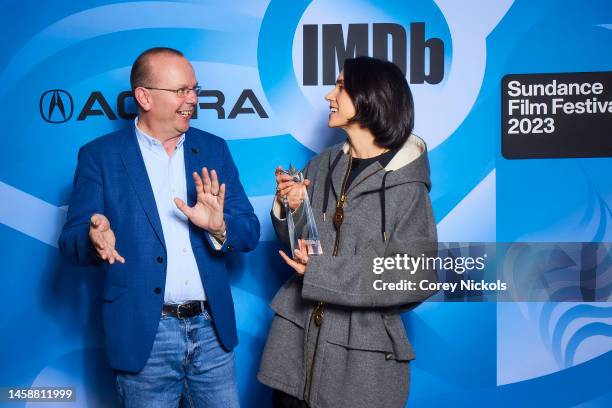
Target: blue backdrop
(261, 96)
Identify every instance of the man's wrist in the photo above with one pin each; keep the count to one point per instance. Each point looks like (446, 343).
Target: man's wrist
(221, 234)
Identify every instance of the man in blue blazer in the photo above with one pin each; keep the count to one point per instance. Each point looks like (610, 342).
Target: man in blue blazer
(148, 211)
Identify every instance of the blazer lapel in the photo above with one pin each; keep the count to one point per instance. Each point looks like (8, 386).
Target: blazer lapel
(137, 174)
(194, 161)
(196, 157)
(190, 153)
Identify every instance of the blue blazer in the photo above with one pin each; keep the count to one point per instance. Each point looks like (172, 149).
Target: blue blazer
(111, 179)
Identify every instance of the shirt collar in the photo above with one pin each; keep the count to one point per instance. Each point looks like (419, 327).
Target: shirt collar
(152, 143)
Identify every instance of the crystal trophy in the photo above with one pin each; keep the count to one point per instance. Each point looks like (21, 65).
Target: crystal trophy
(309, 235)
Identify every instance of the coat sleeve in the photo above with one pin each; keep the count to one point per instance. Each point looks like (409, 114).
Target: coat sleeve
(87, 198)
(351, 281)
(242, 225)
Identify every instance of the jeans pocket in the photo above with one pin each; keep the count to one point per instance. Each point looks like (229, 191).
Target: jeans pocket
(120, 393)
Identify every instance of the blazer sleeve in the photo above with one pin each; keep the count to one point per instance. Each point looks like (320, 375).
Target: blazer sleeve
(242, 225)
(87, 198)
(349, 280)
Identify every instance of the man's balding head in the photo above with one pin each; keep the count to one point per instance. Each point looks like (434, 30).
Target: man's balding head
(141, 74)
(165, 89)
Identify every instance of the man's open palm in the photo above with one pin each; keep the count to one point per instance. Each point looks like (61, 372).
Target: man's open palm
(103, 239)
(207, 212)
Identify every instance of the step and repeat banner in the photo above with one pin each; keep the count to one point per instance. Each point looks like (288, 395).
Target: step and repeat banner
(514, 99)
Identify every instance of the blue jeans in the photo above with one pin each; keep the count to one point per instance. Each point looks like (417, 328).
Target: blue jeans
(187, 361)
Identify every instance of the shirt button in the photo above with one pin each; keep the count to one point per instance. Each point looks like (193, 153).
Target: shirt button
(229, 247)
(157, 290)
(160, 259)
(185, 250)
(186, 282)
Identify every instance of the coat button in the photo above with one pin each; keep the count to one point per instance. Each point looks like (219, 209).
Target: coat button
(229, 247)
(157, 290)
(160, 259)
(388, 356)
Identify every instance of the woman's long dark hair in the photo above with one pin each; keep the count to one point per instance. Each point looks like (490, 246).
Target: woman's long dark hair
(382, 99)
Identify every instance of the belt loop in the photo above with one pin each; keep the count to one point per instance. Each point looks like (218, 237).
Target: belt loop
(206, 310)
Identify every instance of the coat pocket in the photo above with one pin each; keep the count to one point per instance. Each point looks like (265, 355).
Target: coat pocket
(365, 329)
(402, 349)
(111, 292)
(360, 377)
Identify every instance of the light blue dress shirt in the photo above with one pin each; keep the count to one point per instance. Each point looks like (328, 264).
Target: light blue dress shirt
(167, 178)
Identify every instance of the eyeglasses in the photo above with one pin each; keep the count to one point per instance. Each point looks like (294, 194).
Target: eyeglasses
(181, 92)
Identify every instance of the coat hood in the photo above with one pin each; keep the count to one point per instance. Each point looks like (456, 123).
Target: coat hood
(409, 165)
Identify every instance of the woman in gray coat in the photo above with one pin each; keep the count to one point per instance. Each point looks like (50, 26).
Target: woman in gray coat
(337, 339)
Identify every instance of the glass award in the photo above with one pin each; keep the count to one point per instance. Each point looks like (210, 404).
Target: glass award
(309, 235)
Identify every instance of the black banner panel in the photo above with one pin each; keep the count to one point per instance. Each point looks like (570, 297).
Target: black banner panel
(557, 115)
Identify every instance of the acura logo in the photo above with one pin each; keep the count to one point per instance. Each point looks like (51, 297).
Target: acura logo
(56, 106)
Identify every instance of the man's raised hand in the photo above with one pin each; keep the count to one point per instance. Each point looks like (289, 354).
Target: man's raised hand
(207, 212)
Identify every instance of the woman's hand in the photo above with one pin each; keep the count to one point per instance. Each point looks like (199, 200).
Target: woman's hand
(285, 186)
(300, 259)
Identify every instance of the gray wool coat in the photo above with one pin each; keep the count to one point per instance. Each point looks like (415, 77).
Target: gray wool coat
(359, 356)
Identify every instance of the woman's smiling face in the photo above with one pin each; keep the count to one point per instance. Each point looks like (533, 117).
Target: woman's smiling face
(341, 105)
